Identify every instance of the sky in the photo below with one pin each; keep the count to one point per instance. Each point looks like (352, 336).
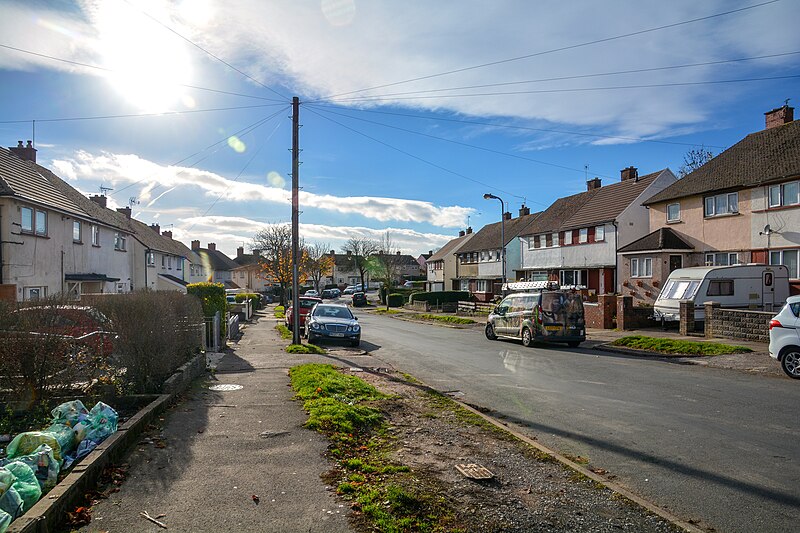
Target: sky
(409, 111)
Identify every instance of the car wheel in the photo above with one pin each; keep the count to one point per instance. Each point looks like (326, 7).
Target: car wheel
(527, 337)
(574, 344)
(312, 338)
(490, 332)
(790, 362)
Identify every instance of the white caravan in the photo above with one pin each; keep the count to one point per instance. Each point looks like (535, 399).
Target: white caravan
(751, 286)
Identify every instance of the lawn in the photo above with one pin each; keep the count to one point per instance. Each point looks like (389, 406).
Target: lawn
(446, 318)
(678, 347)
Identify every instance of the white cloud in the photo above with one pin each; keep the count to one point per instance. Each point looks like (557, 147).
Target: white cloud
(155, 181)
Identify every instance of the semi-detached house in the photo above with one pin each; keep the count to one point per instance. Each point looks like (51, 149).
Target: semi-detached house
(442, 265)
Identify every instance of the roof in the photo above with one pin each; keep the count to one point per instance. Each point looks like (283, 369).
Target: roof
(609, 201)
(660, 239)
(246, 259)
(405, 259)
(88, 277)
(173, 279)
(217, 260)
(22, 178)
(762, 157)
(562, 209)
(450, 248)
(343, 261)
(488, 237)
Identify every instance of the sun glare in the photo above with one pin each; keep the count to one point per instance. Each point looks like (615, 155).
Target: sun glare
(148, 62)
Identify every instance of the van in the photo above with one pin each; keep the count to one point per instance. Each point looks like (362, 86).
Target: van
(752, 286)
(541, 313)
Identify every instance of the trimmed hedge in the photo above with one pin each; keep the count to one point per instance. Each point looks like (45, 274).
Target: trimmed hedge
(255, 299)
(212, 297)
(396, 300)
(441, 296)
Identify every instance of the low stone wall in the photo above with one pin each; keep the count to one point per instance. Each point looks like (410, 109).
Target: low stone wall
(185, 374)
(737, 323)
(419, 306)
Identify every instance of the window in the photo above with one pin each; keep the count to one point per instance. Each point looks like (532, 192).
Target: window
(95, 236)
(76, 231)
(583, 235)
(722, 259)
(568, 237)
(642, 268)
(542, 241)
(27, 220)
(481, 286)
(784, 194)
(178, 263)
(599, 233)
(163, 261)
(120, 241)
(573, 277)
(33, 221)
(673, 212)
(720, 287)
(536, 275)
(555, 240)
(34, 293)
(680, 289)
(169, 262)
(788, 258)
(722, 204)
(41, 223)
(491, 255)
(151, 259)
(464, 284)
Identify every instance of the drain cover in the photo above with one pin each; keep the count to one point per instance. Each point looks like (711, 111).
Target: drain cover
(225, 387)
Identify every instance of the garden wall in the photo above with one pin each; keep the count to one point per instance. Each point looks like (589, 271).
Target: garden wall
(736, 323)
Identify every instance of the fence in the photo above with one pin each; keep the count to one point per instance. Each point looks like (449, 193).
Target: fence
(472, 308)
(233, 326)
(211, 333)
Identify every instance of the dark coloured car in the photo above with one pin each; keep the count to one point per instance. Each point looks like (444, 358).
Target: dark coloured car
(306, 304)
(359, 299)
(333, 322)
(328, 294)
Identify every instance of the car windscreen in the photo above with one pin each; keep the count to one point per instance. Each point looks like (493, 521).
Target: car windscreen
(307, 304)
(332, 312)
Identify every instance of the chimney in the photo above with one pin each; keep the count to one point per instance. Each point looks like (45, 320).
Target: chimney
(240, 251)
(28, 153)
(524, 210)
(349, 253)
(430, 252)
(333, 252)
(469, 230)
(99, 200)
(156, 228)
(212, 246)
(776, 117)
(594, 184)
(398, 252)
(461, 233)
(630, 173)
(125, 211)
(167, 234)
(507, 215)
(195, 245)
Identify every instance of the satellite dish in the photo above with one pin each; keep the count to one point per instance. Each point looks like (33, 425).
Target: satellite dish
(767, 229)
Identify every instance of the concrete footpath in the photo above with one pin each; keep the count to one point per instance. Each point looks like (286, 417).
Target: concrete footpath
(216, 450)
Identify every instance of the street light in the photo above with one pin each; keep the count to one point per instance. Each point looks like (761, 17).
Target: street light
(489, 196)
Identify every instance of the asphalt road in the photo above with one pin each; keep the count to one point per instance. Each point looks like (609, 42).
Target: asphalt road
(718, 446)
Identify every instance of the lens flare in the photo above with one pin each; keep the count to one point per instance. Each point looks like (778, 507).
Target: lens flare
(237, 144)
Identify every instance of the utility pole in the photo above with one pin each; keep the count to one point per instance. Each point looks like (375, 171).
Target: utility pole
(295, 219)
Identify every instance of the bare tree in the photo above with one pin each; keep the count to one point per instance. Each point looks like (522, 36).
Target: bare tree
(385, 265)
(275, 243)
(361, 249)
(694, 159)
(318, 263)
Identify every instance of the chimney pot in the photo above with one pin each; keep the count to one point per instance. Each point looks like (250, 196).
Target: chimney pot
(507, 215)
(629, 173)
(156, 228)
(240, 251)
(430, 252)
(779, 116)
(125, 211)
(195, 245)
(524, 210)
(212, 246)
(28, 153)
(593, 184)
(461, 233)
(398, 252)
(167, 234)
(469, 230)
(19, 144)
(99, 200)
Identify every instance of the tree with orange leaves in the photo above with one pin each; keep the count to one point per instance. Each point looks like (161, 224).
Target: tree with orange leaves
(275, 243)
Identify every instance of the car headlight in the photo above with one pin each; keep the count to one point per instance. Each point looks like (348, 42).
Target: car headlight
(355, 327)
(314, 325)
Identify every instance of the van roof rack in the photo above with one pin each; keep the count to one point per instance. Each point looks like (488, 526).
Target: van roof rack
(520, 286)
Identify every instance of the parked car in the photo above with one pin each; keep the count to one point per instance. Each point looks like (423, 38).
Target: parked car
(350, 289)
(336, 292)
(359, 299)
(408, 285)
(84, 325)
(306, 305)
(551, 315)
(328, 294)
(333, 321)
(311, 292)
(784, 337)
(231, 299)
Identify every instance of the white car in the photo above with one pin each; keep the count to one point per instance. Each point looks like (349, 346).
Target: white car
(784, 337)
(311, 292)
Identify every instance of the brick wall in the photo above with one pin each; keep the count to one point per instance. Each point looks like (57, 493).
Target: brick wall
(8, 293)
(601, 315)
(633, 317)
(737, 324)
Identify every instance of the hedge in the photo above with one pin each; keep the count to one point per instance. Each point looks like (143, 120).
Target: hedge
(440, 296)
(212, 296)
(255, 299)
(396, 300)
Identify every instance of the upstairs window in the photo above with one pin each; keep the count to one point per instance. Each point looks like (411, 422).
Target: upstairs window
(568, 237)
(41, 223)
(33, 221)
(151, 259)
(722, 204)
(674, 213)
(120, 241)
(95, 236)
(599, 233)
(76, 231)
(583, 235)
(555, 240)
(784, 194)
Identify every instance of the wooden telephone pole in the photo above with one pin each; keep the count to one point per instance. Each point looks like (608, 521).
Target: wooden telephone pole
(295, 220)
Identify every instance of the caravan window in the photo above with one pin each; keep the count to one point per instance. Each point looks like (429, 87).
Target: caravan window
(720, 287)
(681, 289)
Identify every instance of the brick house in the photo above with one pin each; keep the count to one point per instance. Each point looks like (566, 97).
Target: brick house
(442, 265)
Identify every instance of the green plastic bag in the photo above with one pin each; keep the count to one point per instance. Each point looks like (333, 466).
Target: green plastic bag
(43, 464)
(102, 421)
(65, 436)
(7, 479)
(26, 485)
(5, 521)
(11, 503)
(69, 413)
(28, 442)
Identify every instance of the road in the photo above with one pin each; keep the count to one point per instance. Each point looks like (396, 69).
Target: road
(718, 446)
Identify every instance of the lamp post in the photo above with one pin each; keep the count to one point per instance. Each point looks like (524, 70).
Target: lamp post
(488, 196)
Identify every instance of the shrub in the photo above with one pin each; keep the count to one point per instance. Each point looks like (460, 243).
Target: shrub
(212, 297)
(255, 299)
(441, 296)
(396, 300)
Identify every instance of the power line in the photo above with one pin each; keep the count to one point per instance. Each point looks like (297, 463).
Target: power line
(507, 154)
(139, 115)
(583, 76)
(510, 126)
(380, 98)
(427, 162)
(145, 13)
(554, 50)
(106, 69)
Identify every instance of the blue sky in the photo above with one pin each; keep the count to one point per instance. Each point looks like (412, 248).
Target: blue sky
(541, 91)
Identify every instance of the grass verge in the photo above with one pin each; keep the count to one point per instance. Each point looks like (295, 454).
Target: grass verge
(304, 348)
(446, 318)
(280, 311)
(388, 312)
(384, 495)
(285, 332)
(678, 347)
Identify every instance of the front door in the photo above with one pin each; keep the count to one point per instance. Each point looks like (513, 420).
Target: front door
(768, 291)
(675, 262)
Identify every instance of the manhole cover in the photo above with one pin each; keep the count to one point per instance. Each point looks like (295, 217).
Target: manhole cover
(225, 387)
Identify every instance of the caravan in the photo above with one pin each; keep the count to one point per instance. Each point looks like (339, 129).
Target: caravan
(753, 286)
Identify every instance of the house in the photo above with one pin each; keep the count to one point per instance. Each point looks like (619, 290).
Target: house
(218, 266)
(249, 274)
(442, 265)
(742, 206)
(344, 271)
(406, 266)
(49, 243)
(479, 261)
(575, 241)
(422, 260)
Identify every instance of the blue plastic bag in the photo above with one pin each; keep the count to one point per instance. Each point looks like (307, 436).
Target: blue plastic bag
(44, 465)
(26, 484)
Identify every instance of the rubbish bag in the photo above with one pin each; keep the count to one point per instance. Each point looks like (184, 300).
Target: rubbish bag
(5, 521)
(65, 436)
(26, 485)
(28, 442)
(43, 463)
(102, 422)
(69, 413)
(11, 503)
(7, 479)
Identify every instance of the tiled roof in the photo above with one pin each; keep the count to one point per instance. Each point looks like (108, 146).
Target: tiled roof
(660, 239)
(488, 238)
(554, 216)
(450, 248)
(217, 260)
(22, 178)
(173, 279)
(404, 259)
(762, 157)
(609, 201)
